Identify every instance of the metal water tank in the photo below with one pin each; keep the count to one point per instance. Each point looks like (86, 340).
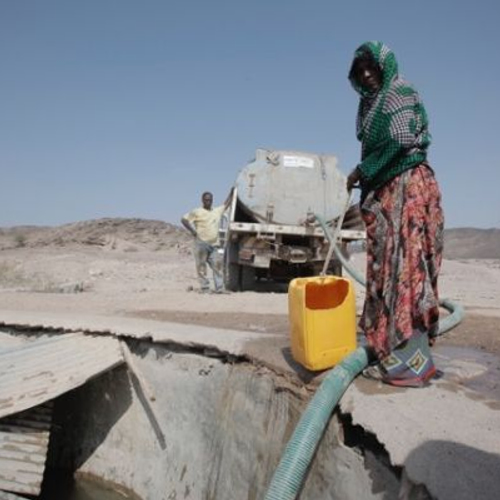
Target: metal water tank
(284, 187)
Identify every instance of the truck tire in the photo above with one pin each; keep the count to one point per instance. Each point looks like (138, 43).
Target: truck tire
(247, 281)
(233, 274)
(335, 268)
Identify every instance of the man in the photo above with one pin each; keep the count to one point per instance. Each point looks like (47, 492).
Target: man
(203, 223)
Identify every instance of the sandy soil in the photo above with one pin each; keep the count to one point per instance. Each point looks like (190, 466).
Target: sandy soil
(161, 285)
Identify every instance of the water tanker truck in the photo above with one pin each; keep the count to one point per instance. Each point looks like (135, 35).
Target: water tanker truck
(271, 232)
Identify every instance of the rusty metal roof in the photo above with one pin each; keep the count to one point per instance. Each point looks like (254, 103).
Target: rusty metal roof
(24, 440)
(38, 371)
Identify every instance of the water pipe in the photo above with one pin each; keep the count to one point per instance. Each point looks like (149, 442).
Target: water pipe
(289, 476)
(332, 238)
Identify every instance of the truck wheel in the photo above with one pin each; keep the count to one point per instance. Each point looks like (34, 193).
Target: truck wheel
(335, 268)
(233, 277)
(247, 278)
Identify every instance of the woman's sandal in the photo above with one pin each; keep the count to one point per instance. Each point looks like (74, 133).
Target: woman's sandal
(373, 373)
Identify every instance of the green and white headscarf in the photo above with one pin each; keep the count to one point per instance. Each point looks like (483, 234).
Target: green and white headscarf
(391, 124)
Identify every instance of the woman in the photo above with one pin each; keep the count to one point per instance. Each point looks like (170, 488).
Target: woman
(401, 208)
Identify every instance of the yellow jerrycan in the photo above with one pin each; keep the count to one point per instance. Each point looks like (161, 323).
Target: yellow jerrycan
(322, 315)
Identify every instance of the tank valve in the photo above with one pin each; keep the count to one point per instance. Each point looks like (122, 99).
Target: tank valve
(310, 219)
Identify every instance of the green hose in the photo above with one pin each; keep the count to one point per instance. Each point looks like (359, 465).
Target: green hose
(289, 476)
(291, 471)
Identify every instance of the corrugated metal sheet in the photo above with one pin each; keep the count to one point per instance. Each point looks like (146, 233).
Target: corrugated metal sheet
(39, 371)
(24, 441)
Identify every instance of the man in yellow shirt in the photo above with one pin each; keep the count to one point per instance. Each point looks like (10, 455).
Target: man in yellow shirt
(203, 223)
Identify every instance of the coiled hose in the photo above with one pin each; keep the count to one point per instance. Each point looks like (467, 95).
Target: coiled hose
(289, 476)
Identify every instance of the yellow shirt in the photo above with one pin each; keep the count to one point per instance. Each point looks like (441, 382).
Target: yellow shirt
(206, 223)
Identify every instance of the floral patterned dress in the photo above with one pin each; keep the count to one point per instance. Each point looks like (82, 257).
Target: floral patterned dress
(404, 224)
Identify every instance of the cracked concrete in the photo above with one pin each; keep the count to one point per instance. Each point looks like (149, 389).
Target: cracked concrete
(445, 438)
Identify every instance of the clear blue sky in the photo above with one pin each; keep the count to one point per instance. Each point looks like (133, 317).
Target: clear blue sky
(133, 108)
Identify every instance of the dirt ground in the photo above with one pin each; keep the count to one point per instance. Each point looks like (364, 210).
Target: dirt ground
(475, 331)
(160, 284)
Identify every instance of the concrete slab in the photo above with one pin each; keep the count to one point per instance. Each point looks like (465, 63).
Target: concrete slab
(446, 437)
(224, 340)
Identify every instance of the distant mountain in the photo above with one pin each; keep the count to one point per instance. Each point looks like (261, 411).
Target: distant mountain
(472, 243)
(137, 234)
(109, 233)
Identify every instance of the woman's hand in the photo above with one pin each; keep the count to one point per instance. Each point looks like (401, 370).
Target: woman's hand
(353, 179)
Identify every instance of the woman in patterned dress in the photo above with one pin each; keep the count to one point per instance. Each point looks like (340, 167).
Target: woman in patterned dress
(401, 208)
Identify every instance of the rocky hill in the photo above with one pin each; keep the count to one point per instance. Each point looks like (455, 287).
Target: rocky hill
(143, 234)
(472, 243)
(110, 233)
